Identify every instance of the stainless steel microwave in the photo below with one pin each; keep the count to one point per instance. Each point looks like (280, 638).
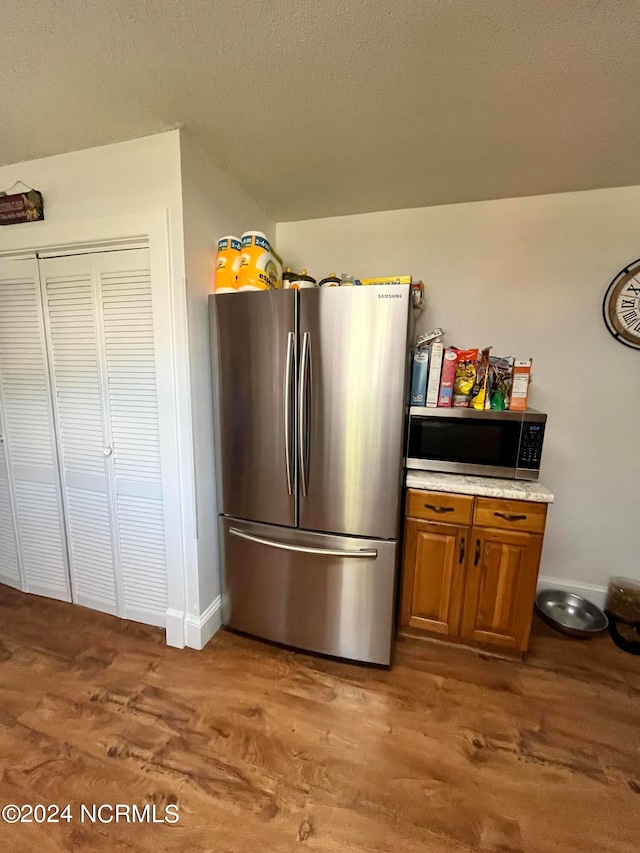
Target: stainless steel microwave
(467, 441)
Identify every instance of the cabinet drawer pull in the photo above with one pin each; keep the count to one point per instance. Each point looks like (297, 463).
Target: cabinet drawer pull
(439, 508)
(477, 556)
(461, 557)
(509, 517)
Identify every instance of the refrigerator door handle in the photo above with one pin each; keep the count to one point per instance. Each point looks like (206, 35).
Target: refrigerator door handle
(368, 553)
(303, 427)
(288, 437)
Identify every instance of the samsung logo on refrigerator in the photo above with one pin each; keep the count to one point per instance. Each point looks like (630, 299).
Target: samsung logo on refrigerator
(389, 296)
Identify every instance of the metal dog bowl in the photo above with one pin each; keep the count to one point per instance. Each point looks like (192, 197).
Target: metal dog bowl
(571, 614)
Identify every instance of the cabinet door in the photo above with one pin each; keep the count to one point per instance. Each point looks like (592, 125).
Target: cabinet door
(433, 576)
(501, 587)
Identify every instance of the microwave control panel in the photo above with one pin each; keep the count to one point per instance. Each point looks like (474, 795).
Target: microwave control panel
(531, 445)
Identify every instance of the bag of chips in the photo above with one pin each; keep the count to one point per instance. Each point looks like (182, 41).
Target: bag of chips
(465, 376)
(500, 378)
(480, 393)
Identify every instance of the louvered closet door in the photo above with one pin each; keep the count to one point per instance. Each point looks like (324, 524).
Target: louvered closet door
(30, 504)
(132, 405)
(70, 301)
(9, 566)
(100, 328)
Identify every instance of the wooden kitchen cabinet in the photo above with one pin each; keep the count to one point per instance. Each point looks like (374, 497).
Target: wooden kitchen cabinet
(433, 582)
(500, 587)
(472, 576)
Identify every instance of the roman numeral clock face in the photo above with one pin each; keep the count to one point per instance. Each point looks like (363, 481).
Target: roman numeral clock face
(621, 306)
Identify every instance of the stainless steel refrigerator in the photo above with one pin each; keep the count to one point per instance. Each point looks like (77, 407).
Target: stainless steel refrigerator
(310, 405)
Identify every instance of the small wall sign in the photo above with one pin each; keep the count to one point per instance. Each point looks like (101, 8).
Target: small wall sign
(21, 207)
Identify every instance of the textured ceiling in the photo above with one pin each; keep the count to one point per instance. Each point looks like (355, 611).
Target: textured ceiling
(325, 107)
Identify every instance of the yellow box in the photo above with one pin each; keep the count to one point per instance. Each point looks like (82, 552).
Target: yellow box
(394, 279)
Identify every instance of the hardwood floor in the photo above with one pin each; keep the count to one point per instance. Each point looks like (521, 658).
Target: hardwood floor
(264, 749)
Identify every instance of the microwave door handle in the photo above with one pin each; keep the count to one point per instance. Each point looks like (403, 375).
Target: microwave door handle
(288, 419)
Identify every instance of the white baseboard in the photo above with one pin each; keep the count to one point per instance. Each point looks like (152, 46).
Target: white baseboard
(591, 591)
(198, 630)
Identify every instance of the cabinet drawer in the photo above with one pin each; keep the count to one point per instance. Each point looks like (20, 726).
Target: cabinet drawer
(439, 506)
(527, 516)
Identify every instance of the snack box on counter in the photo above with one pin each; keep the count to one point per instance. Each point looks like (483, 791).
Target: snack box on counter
(419, 377)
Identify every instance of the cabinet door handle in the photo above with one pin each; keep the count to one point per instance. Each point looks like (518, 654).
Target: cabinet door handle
(509, 517)
(439, 509)
(461, 557)
(477, 556)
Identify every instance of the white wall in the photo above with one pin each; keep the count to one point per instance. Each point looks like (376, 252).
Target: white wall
(213, 206)
(527, 276)
(128, 177)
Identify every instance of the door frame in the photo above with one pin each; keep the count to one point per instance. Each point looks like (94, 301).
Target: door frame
(152, 230)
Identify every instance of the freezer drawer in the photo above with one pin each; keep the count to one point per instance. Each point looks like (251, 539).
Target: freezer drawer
(329, 594)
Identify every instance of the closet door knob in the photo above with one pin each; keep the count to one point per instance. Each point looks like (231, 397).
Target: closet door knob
(107, 451)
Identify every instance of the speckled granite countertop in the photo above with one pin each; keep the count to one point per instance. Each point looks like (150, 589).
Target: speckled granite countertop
(488, 487)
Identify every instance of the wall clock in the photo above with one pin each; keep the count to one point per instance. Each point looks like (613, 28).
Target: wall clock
(621, 306)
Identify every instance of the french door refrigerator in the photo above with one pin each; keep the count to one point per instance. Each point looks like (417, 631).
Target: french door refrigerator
(310, 404)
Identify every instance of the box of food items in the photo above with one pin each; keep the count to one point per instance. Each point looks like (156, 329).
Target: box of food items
(448, 376)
